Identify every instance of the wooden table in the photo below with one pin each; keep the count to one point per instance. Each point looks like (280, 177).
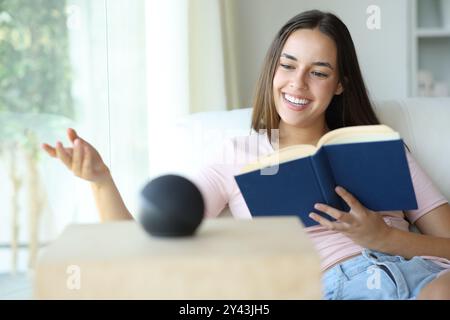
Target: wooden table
(262, 258)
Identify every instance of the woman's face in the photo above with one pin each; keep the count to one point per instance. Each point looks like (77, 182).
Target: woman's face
(306, 78)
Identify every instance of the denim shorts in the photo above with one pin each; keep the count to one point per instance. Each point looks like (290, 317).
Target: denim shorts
(375, 275)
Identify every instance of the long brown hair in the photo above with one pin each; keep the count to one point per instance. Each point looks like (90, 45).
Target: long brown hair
(352, 107)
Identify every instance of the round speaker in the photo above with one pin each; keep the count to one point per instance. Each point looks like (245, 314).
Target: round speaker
(171, 206)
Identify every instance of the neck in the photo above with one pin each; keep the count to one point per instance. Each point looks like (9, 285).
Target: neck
(292, 135)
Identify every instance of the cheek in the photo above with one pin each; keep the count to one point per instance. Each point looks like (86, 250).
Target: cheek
(326, 89)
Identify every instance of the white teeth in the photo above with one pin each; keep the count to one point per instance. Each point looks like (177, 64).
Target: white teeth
(295, 100)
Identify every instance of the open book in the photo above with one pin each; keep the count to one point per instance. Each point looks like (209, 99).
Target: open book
(369, 161)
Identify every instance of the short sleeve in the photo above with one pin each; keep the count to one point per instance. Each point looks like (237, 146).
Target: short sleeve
(427, 195)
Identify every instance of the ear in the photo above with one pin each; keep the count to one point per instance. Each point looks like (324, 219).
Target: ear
(339, 89)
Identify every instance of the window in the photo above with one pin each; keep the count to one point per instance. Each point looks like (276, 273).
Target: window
(74, 63)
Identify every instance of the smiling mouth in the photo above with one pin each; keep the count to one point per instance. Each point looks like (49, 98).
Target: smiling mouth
(294, 103)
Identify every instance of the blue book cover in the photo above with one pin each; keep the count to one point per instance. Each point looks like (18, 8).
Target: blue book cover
(375, 172)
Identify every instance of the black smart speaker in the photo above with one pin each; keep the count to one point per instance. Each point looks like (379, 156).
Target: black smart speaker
(171, 206)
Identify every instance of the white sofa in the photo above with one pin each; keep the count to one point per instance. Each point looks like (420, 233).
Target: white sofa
(424, 124)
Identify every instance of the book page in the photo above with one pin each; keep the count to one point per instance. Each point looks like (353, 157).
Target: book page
(359, 134)
(338, 136)
(282, 155)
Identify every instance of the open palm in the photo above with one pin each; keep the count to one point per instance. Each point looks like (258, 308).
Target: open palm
(82, 159)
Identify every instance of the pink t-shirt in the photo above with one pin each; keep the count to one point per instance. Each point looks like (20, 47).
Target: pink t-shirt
(219, 188)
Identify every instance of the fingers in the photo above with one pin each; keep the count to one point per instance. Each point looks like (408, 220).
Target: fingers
(49, 149)
(77, 159)
(65, 157)
(337, 226)
(52, 151)
(72, 134)
(333, 212)
(343, 219)
(352, 202)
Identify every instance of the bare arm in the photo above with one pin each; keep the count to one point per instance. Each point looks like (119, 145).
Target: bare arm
(86, 163)
(434, 240)
(109, 202)
(368, 229)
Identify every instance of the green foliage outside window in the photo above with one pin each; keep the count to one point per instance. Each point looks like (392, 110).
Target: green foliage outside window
(34, 58)
(35, 100)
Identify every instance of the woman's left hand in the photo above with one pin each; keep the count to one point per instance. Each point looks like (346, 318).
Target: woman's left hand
(365, 227)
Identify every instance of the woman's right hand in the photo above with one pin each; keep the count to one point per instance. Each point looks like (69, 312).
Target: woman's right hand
(82, 159)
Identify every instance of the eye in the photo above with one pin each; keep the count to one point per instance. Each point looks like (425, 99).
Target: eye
(286, 66)
(319, 74)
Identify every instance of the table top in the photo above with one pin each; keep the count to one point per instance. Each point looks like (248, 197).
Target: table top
(227, 258)
(215, 237)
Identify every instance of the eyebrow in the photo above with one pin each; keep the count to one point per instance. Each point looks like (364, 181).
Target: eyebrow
(317, 63)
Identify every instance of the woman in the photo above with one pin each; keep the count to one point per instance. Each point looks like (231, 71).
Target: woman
(311, 83)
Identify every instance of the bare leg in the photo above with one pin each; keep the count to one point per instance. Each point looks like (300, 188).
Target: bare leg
(438, 289)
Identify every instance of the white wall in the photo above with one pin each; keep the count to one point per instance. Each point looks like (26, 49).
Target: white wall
(383, 54)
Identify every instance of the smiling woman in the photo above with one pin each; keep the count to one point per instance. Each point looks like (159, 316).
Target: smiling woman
(316, 63)
(304, 84)
(310, 83)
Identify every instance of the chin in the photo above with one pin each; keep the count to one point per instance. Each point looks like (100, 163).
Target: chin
(294, 123)
(289, 119)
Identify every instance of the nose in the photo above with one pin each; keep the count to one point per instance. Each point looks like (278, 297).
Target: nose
(299, 80)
